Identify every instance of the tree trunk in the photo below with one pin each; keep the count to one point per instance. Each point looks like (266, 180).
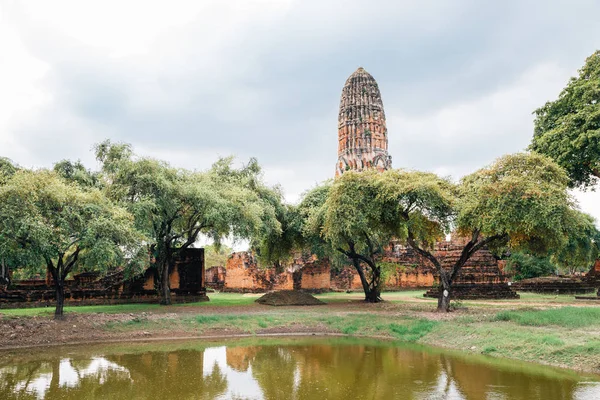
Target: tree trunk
(372, 290)
(165, 284)
(60, 298)
(444, 299)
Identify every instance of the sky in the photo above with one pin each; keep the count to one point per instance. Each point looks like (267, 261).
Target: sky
(191, 81)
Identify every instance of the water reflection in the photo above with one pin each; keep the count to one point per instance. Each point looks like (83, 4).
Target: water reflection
(295, 370)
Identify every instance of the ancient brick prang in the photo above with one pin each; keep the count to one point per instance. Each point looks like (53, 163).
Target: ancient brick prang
(362, 133)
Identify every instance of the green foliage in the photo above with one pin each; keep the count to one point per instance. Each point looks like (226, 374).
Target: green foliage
(45, 220)
(216, 255)
(7, 169)
(581, 248)
(525, 266)
(173, 207)
(568, 129)
(521, 198)
(276, 243)
(77, 173)
(568, 317)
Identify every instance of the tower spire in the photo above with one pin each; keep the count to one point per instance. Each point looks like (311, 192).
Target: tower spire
(362, 132)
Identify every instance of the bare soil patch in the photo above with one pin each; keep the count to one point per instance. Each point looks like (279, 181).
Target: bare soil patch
(289, 298)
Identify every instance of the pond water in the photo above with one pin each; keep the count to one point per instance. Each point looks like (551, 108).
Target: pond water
(299, 368)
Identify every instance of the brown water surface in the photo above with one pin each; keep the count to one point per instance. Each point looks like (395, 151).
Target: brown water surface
(279, 369)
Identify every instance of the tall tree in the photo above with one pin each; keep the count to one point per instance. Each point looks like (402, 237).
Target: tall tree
(348, 218)
(7, 170)
(44, 219)
(568, 129)
(520, 201)
(581, 247)
(174, 207)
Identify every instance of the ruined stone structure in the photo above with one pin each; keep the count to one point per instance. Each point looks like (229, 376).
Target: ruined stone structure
(186, 281)
(362, 133)
(215, 277)
(481, 277)
(243, 274)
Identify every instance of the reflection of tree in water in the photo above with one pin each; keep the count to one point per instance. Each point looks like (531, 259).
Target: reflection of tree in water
(273, 367)
(321, 371)
(475, 381)
(43, 379)
(13, 377)
(282, 372)
(365, 372)
(172, 375)
(140, 376)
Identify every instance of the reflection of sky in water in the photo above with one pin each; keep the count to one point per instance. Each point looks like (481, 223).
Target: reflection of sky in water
(241, 384)
(69, 376)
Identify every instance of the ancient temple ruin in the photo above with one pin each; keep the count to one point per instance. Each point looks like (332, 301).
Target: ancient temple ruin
(186, 278)
(362, 133)
(363, 144)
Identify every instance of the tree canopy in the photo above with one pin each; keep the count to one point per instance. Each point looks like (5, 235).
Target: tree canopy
(45, 220)
(568, 129)
(173, 206)
(520, 201)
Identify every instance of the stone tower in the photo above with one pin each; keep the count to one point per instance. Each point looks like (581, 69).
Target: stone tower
(362, 134)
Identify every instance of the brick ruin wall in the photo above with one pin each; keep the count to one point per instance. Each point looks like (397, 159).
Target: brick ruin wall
(186, 281)
(242, 273)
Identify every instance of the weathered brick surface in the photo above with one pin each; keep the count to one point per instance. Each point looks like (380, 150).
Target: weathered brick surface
(215, 277)
(315, 275)
(186, 279)
(244, 275)
(556, 285)
(362, 132)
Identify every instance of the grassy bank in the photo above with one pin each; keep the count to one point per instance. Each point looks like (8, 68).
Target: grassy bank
(554, 330)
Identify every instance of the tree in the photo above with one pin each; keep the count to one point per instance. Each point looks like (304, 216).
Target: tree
(173, 206)
(216, 255)
(524, 265)
(568, 129)
(7, 169)
(77, 173)
(581, 247)
(44, 219)
(349, 219)
(520, 201)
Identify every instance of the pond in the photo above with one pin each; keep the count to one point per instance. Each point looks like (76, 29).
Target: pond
(286, 368)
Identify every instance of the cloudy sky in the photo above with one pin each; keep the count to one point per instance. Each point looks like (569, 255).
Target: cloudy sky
(189, 81)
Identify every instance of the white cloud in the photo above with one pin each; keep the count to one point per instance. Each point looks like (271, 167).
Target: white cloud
(189, 81)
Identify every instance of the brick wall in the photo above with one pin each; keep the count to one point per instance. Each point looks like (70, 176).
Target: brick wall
(244, 275)
(315, 275)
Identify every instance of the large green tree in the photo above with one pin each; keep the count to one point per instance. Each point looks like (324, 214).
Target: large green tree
(44, 219)
(568, 129)
(174, 206)
(349, 219)
(581, 248)
(520, 201)
(7, 170)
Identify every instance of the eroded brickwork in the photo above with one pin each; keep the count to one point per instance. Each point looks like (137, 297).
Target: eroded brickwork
(244, 275)
(362, 132)
(186, 280)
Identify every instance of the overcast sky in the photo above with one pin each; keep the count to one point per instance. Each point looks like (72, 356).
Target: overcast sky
(189, 81)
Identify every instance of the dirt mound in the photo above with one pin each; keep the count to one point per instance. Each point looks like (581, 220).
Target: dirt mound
(289, 298)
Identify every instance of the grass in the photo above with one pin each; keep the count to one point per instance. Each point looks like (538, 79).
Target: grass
(216, 299)
(568, 317)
